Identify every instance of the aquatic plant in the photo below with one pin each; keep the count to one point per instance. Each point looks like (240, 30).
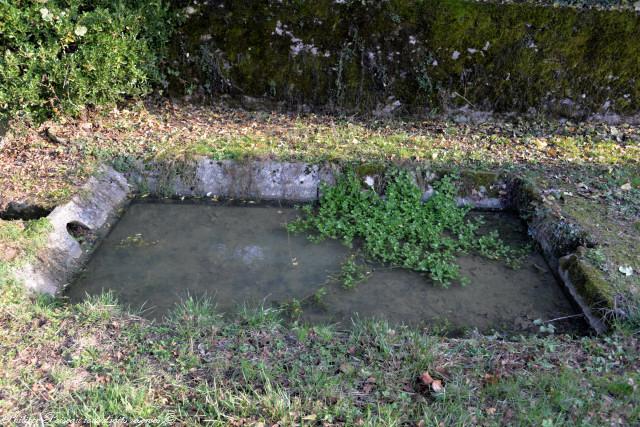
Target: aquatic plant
(400, 229)
(352, 273)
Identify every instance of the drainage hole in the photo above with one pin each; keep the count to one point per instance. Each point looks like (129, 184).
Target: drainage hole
(80, 232)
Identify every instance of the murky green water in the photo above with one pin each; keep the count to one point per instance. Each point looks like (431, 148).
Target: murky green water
(160, 252)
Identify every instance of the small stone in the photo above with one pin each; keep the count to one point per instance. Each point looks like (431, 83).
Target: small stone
(626, 270)
(626, 187)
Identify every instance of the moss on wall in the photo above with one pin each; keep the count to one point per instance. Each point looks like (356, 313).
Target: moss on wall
(424, 53)
(589, 282)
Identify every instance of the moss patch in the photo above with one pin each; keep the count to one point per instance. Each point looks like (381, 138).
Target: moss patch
(424, 55)
(588, 281)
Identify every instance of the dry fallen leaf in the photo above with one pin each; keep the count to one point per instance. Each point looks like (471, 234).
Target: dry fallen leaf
(437, 386)
(8, 254)
(346, 368)
(367, 388)
(626, 187)
(490, 379)
(426, 378)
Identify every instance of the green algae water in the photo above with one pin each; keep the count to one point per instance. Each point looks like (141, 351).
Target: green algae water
(161, 252)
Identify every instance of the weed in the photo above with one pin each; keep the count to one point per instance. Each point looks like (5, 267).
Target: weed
(61, 56)
(352, 273)
(597, 257)
(320, 295)
(260, 317)
(400, 229)
(96, 308)
(194, 316)
(293, 308)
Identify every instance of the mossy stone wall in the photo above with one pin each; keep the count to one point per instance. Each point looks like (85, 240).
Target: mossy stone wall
(411, 55)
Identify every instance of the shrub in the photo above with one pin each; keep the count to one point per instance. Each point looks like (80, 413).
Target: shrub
(59, 55)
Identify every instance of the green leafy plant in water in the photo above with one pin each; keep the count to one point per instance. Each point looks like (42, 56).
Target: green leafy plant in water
(400, 229)
(352, 273)
(293, 308)
(136, 240)
(320, 295)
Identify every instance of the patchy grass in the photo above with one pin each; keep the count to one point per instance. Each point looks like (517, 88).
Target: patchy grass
(37, 168)
(19, 242)
(94, 362)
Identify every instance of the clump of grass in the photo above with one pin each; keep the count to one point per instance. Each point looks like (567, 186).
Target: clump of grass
(97, 308)
(27, 236)
(260, 317)
(400, 229)
(194, 316)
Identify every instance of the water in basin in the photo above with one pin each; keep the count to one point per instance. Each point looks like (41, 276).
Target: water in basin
(160, 252)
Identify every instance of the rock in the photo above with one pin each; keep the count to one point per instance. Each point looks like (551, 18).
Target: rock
(55, 138)
(251, 103)
(4, 126)
(626, 270)
(389, 109)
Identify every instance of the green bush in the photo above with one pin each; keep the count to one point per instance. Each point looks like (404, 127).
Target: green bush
(57, 56)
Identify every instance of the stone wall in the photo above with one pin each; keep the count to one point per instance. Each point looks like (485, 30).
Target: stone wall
(411, 56)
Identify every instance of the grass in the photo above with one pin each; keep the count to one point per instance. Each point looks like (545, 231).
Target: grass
(98, 362)
(180, 131)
